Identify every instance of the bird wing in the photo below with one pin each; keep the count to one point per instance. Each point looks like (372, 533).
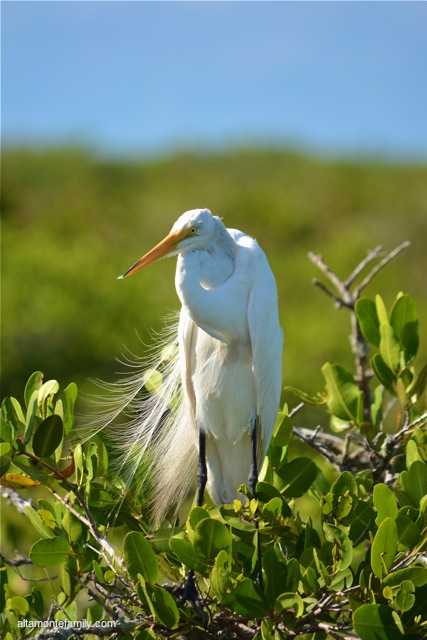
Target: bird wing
(267, 341)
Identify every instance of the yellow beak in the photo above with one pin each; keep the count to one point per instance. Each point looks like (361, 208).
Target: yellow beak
(162, 250)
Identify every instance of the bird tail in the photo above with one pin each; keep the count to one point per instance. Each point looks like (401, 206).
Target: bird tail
(144, 415)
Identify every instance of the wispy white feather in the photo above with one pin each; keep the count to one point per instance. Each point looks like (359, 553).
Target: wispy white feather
(153, 430)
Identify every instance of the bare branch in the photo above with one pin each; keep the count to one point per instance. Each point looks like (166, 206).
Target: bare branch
(339, 301)
(339, 286)
(372, 255)
(18, 562)
(380, 266)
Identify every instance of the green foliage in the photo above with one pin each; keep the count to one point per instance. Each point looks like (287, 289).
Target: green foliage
(353, 566)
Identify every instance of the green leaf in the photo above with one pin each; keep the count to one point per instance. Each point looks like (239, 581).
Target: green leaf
(293, 568)
(139, 557)
(383, 373)
(381, 309)
(290, 601)
(343, 546)
(417, 575)
(343, 392)
(316, 400)
(283, 431)
(384, 547)
(295, 477)
(162, 606)
(31, 416)
(376, 622)
(412, 453)
(68, 399)
(187, 555)
(405, 598)
(247, 600)
(37, 523)
(50, 552)
(34, 383)
(220, 576)
(408, 533)
(210, 536)
(419, 383)
(404, 320)
(275, 573)
(367, 316)
(47, 392)
(18, 605)
(5, 457)
(384, 502)
(48, 436)
(389, 347)
(417, 481)
(73, 527)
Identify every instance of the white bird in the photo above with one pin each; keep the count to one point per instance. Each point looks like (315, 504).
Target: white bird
(221, 394)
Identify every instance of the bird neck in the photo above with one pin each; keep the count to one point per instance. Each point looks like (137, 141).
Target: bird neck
(211, 266)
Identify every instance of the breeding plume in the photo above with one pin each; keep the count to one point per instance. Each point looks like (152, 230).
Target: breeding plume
(220, 393)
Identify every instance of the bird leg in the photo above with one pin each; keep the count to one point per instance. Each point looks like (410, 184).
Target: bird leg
(252, 482)
(189, 590)
(202, 473)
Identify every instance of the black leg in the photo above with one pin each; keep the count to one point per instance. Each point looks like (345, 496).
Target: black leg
(252, 482)
(189, 590)
(202, 473)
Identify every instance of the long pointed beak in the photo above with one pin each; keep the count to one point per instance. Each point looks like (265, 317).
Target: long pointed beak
(164, 249)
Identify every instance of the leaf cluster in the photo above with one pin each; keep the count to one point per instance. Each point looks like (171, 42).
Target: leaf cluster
(355, 569)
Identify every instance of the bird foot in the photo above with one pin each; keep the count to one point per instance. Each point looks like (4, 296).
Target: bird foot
(188, 592)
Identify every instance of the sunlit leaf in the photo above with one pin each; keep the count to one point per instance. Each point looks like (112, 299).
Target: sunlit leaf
(367, 316)
(343, 392)
(50, 552)
(389, 347)
(417, 575)
(139, 557)
(384, 502)
(404, 320)
(34, 383)
(417, 481)
(384, 548)
(405, 598)
(210, 536)
(18, 481)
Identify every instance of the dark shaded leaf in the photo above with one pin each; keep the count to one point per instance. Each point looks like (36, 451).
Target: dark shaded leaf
(376, 622)
(48, 436)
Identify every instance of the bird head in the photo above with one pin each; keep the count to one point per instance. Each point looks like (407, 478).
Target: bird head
(191, 231)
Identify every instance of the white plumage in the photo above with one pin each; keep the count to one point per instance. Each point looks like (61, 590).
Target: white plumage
(228, 364)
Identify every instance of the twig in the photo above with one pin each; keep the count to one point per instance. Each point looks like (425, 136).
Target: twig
(380, 266)
(372, 255)
(18, 562)
(310, 439)
(339, 286)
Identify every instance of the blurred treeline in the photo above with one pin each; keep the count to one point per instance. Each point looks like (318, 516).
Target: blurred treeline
(72, 222)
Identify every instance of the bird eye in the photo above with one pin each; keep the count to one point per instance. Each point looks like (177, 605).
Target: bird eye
(193, 230)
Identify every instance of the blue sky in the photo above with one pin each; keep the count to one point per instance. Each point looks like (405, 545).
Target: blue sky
(147, 77)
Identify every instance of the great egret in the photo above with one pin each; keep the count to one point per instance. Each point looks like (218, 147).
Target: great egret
(228, 365)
